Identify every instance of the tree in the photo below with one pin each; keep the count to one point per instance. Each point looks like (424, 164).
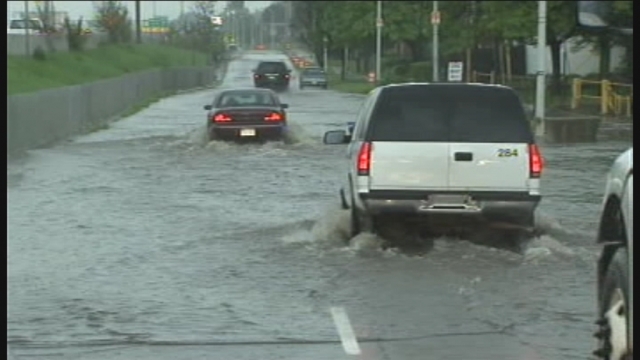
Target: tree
(113, 18)
(45, 12)
(204, 35)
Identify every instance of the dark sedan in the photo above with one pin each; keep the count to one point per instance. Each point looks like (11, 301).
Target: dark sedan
(249, 114)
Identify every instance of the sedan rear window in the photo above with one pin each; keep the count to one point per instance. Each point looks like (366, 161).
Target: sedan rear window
(245, 99)
(449, 113)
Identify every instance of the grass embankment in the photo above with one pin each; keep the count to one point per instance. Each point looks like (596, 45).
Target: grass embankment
(63, 69)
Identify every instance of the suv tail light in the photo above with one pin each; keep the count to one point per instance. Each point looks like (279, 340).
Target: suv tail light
(536, 162)
(364, 158)
(256, 76)
(221, 118)
(274, 116)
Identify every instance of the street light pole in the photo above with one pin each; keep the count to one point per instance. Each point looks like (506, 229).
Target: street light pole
(378, 40)
(435, 21)
(138, 24)
(542, 68)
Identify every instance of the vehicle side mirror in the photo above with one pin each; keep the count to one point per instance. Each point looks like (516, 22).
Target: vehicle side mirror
(208, 107)
(253, 70)
(335, 137)
(284, 106)
(350, 126)
(288, 71)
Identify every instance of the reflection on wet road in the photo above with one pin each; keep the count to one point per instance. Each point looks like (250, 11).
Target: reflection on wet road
(143, 234)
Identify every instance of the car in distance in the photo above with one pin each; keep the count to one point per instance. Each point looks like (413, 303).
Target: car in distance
(313, 76)
(441, 157)
(615, 264)
(250, 114)
(272, 74)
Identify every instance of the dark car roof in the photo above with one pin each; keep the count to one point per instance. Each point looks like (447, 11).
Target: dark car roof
(248, 90)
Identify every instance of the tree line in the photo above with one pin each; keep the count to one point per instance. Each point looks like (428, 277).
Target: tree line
(465, 25)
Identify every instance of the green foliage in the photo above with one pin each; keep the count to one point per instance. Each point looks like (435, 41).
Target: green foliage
(75, 35)
(464, 25)
(113, 18)
(72, 68)
(39, 54)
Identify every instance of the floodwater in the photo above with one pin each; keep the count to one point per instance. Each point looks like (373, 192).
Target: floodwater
(144, 241)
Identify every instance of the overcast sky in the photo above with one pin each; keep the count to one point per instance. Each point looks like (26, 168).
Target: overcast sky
(77, 9)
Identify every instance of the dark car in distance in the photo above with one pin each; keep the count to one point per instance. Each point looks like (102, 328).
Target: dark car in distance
(246, 114)
(314, 76)
(272, 74)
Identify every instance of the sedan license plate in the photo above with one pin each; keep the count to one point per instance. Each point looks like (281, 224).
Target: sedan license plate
(271, 77)
(248, 132)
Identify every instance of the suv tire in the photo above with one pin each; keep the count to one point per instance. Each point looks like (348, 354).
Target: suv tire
(615, 288)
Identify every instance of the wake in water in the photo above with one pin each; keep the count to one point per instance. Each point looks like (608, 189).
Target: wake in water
(331, 233)
(198, 140)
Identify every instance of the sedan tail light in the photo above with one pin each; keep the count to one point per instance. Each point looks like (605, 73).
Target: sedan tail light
(274, 116)
(221, 118)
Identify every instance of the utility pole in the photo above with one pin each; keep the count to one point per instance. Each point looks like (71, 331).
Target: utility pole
(155, 12)
(435, 22)
(181, 8)
(325, 54)
(138, 25)
(27, 26)
(542, 68)
(378, 40)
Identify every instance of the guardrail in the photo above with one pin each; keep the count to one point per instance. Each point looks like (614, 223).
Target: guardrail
(613, 98)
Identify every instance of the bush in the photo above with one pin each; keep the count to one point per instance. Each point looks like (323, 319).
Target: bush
(39, 54)
(75, 35)
(420, 71)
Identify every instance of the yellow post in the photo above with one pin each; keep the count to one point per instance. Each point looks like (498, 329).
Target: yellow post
(605, 89)
(575, 93)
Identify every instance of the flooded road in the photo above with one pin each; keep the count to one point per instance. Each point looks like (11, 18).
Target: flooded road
(144, 241)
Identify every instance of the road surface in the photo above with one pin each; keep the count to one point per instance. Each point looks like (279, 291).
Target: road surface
(143, 241)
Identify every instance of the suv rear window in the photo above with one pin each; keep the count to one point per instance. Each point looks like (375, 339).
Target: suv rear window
(449, 113)
(272, 67)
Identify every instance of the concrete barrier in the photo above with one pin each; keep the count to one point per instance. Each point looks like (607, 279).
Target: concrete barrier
(45, 117)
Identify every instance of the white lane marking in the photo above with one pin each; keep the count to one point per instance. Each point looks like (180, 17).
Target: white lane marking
(343, 325)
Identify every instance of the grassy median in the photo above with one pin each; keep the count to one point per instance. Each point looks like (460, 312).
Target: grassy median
(63, 69)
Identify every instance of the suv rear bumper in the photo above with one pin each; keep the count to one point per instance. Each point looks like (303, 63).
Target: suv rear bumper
(509, 207)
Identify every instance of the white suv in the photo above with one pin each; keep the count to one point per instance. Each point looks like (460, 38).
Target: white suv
(442, 156)
(615, 266)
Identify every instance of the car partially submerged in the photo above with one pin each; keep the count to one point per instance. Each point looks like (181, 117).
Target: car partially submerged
(249, 114)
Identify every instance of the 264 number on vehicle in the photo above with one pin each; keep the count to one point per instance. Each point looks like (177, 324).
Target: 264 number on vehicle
(507, 152)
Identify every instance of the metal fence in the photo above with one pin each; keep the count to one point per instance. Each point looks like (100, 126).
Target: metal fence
(45, 117)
